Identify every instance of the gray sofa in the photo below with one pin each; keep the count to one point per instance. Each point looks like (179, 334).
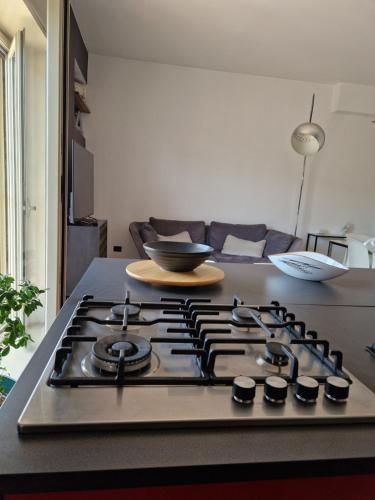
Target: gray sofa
(214, 235)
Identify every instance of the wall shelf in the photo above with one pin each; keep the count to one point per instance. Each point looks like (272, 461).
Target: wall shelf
(80, 103)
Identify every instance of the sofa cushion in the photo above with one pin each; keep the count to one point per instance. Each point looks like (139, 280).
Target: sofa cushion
(184, 236)
(148, 233)
(239, 259)
(218, 231)
(237, 246)
(277, 242)
(166, 227)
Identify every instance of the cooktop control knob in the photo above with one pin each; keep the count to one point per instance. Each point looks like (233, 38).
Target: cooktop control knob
(307, 389)
(275, 390)
(336, 389)
(243, 390)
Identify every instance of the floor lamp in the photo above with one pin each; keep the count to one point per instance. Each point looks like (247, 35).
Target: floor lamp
(307, 139)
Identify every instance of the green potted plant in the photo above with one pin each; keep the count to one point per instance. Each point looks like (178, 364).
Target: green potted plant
(15, 302)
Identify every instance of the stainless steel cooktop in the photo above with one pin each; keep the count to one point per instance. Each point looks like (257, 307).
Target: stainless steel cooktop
(190, 363)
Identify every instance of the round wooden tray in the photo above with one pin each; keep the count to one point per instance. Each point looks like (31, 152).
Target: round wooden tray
(149, 272)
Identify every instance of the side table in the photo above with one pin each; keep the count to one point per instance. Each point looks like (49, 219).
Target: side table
(322, 235)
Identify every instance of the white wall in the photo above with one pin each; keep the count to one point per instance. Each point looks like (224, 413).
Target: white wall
(187, 143)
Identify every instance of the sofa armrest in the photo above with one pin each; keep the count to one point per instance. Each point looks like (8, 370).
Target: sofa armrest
(296, 245)
(134, 229)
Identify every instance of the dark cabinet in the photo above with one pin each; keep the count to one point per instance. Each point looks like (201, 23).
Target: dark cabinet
(84, 244)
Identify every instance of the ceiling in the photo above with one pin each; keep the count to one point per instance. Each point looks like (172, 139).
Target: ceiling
(321, 40)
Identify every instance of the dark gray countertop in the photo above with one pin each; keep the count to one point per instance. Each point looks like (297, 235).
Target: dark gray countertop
(257, 283)
(123, 459)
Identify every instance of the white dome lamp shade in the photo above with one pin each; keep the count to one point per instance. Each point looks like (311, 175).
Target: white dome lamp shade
(307, 140)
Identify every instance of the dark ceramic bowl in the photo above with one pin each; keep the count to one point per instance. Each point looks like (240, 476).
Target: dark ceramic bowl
(177, 257)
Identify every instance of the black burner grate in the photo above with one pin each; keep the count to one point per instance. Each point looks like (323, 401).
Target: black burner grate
(188, 313)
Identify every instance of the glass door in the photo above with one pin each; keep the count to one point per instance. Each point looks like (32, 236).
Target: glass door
(26, 163)
(3, 224)
(25, 172)
(14, 91)
(34, 171)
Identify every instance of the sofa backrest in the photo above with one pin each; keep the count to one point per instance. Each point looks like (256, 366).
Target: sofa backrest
(218, 231)
(167, 227)
(135, 231)
(215, 233)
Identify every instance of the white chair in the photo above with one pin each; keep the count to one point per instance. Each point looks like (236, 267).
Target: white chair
(370, 245)
(357, 254)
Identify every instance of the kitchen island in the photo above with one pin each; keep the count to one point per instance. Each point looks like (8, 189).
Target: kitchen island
(343, 311)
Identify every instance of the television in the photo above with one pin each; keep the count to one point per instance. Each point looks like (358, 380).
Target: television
(82, 187)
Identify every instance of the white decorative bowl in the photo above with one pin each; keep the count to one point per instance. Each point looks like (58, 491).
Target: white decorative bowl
(311, 266)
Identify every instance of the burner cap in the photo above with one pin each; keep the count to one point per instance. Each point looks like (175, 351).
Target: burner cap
(106, 352)
(128, 348)
(275, 354)
(243, 314)
(118, 310)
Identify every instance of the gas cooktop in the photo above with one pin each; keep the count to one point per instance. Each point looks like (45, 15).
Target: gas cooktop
(191, 363)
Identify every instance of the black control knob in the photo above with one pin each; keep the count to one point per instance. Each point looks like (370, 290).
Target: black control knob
(243, 390)
(275, 389)
(307, 389)
(336, 389)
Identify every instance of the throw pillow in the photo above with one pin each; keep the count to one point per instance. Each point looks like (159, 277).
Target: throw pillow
(184, 237)
(167, 227)
(237, 246)
(218, 231)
